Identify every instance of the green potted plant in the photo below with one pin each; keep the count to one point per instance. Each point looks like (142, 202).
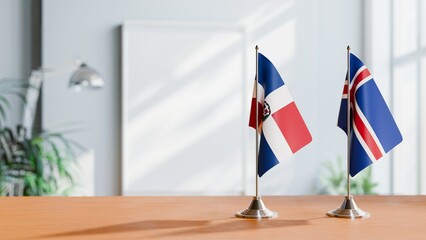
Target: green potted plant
(40, 164)
(334, 180)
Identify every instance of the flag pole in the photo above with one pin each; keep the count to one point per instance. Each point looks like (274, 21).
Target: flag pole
(257, 123)
(348, 128)
(257, 208)
(348, 209)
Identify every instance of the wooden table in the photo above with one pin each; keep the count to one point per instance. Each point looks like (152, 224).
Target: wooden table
(300, 217)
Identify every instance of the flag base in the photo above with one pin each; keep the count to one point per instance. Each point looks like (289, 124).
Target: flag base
(257, 209)
(348, 209)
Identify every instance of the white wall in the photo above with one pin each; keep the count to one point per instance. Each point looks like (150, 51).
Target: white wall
(15, 48)
(306, 40)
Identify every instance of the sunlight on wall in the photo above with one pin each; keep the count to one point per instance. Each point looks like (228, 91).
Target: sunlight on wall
(202, 54)
(265, 13)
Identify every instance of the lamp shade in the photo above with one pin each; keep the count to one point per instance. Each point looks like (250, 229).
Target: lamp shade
(86, 77)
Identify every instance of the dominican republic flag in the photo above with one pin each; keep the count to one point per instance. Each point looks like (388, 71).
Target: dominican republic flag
(373, 131)
(282, 129)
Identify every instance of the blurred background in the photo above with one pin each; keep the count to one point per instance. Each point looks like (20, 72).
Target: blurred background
(172, 118)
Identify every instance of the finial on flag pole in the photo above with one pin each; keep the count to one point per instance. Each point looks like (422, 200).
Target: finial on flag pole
(257, 208)
(348, 209)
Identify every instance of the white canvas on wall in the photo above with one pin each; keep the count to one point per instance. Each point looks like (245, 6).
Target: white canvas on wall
(183, 102)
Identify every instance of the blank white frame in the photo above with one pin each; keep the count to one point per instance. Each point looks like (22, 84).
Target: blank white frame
(173, 27)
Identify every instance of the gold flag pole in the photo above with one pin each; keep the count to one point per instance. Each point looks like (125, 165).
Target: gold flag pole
(348, 209)
(257, 208)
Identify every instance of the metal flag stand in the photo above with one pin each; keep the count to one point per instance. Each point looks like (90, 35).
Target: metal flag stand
(257, 208)
(348, 209)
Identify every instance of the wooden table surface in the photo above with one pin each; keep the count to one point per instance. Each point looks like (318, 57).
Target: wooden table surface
(300, 217)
